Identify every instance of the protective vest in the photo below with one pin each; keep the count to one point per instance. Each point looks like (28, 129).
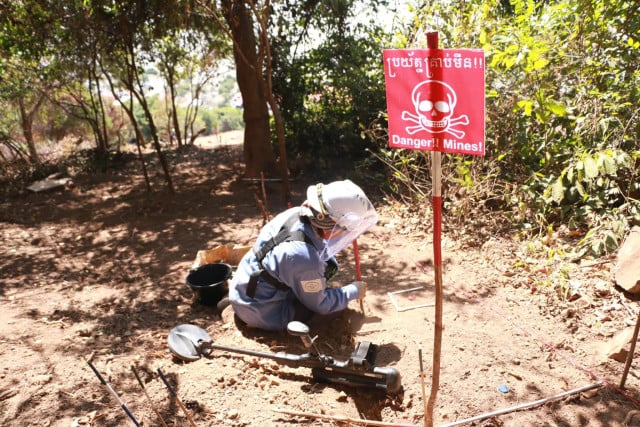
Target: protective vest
(284, 235)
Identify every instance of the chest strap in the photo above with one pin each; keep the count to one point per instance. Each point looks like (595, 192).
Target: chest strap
(284, 235)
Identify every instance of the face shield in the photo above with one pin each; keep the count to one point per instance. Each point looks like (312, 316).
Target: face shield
(347, 229)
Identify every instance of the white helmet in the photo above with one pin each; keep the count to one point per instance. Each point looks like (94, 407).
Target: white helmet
(350, 211)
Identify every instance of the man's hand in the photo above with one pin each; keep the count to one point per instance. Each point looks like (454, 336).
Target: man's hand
(362, 289)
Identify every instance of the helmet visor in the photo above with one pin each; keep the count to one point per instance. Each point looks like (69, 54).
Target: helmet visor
(347, 229)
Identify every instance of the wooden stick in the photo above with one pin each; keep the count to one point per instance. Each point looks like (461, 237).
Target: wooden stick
(264, 194)
(356, 255)
(424, 393)
(627, 364)
(114, 394)
(342, 419)
(135, 372)
(265, 216)
(175, 395)
(524, 405)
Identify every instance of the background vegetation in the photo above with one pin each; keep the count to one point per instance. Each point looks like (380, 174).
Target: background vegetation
(562, 83)
(563, 122)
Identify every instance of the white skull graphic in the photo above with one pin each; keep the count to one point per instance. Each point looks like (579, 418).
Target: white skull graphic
(434, 102)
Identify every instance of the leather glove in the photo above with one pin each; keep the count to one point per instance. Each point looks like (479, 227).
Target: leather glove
(362, 289)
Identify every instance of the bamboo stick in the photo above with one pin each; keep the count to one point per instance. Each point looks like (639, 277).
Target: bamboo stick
(356, 255)
(342, 419)
(523, 405)
(422, 384)
(177, 399)
(144, 389)
(627, 364)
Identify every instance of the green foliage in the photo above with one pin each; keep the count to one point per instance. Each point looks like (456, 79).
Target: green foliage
(407, 171)
(222, 119)
(74, 57)
(591, 180)
(327, 78)
(142, 118)
(562, 83)
(592, 190)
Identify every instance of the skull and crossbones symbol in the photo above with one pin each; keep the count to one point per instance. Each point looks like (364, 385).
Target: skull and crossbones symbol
(434, 102)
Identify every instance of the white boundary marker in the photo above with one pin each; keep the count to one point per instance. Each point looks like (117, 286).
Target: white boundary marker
(411, 307)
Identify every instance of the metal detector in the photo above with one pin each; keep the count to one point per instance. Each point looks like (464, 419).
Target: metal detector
(189, 343)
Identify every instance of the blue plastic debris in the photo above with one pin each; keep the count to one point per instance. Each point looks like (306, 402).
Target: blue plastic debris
(503, 388)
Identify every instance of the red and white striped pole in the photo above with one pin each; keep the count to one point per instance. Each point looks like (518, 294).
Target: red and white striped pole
(436, 182)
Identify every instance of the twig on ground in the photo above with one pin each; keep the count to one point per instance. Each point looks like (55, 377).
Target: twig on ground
(153, 406)
(342, 419)
(177, 399)
(7, 394)
(524, 405)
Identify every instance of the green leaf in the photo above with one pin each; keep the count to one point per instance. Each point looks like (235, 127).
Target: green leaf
(557, 191)
(483, 37)
(556, 108)
(597, 247)
(624, 159)
(539, 64)
(590, 167)
(526, 105)
(608, 164)
(611, 242)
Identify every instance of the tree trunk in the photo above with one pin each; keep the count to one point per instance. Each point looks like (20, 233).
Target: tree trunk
(139, 138)
(26, 119)
(98, 119)
(258, 154)
(174, 112)
(133, 83)
(156, 142)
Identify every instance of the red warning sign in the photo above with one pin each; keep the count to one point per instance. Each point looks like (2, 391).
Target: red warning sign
(435, 99)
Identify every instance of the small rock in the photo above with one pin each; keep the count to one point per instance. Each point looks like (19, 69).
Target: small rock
(590, 394)
(615, 348)
(42, 379)
(227, 315)
(627, 269)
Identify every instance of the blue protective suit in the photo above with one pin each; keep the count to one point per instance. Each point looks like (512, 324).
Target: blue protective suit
(297, 265)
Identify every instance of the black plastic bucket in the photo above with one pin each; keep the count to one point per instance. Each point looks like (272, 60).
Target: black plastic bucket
(209, 282)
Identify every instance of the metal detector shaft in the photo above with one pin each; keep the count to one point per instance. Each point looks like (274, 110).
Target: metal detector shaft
(189, 343)
(326, 368)
(292, 360)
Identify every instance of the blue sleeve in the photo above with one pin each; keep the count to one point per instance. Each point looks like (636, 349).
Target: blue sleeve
(300, 267)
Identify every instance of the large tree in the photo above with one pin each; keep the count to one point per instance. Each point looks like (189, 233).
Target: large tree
(258, 153)
(273, 45)
(29, 67)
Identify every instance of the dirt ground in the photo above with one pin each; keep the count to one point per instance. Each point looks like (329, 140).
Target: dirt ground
(96, 272)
